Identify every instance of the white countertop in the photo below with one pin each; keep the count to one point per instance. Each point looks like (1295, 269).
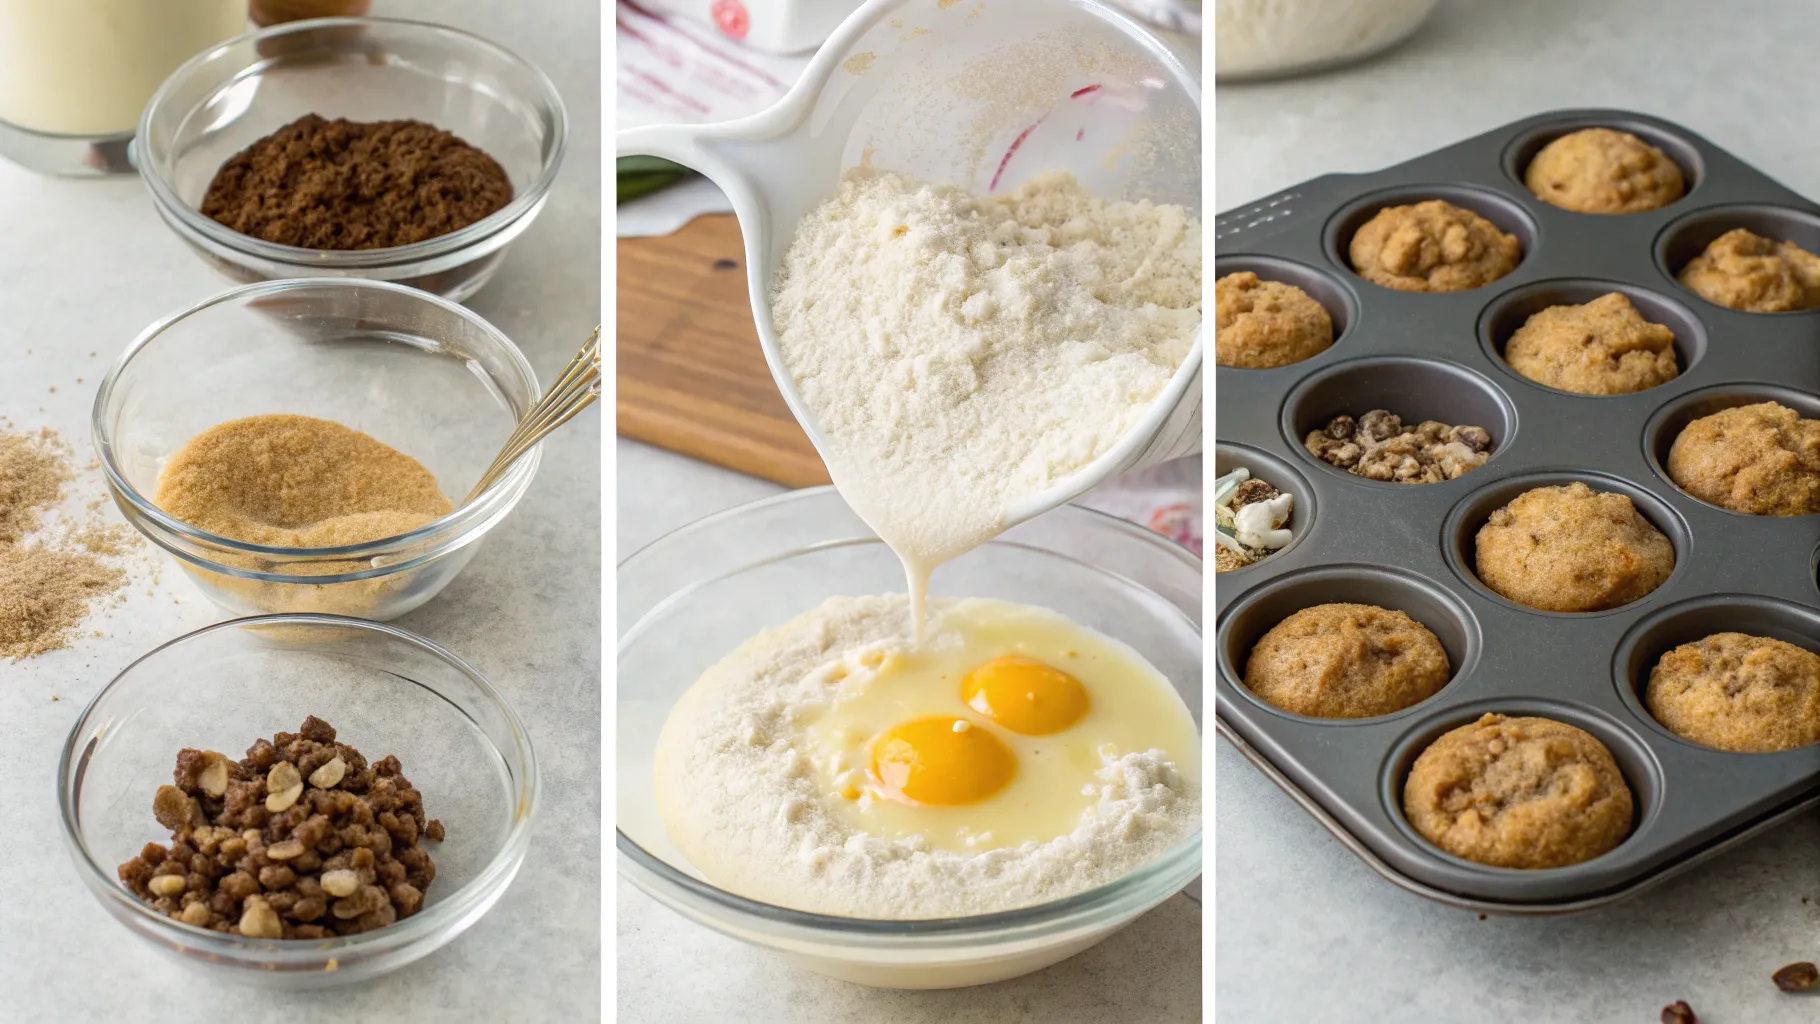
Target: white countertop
(672, 971)
(1304, 931)
(84, 266)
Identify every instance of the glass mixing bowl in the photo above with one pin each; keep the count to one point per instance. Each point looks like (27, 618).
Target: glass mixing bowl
(419, 373)
(385, 691)
(367, 69)
(688, 599)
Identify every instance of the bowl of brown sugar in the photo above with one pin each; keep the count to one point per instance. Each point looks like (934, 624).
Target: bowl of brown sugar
(353, 147)
(300, 445)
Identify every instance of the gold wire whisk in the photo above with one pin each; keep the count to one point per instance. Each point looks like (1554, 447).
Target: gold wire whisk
(576, 388)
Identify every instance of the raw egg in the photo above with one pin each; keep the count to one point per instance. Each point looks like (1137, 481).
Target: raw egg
(1025, 695)
(941, 761)
(991, 731)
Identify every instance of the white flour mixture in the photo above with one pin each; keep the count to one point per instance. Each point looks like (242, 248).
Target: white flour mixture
(961, 353)
(746, 801)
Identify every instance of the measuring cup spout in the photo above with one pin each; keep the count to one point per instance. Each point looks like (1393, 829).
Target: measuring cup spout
(682, 144)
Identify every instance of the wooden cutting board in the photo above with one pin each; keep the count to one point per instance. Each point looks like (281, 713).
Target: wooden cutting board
(692, 378)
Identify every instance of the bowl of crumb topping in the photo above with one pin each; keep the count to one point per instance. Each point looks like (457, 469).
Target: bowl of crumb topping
(353, 147)
(309, 445)
(346, 798)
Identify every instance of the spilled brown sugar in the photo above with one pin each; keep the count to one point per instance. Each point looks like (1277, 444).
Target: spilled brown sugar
(47, 585)
(33, 470)
(321, 184)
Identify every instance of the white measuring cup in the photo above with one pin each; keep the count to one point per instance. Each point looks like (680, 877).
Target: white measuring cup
(982, 94)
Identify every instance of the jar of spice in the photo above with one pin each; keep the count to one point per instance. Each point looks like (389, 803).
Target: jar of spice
(74, 74)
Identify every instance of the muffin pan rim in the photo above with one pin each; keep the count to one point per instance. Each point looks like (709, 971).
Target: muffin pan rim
(1295, 224)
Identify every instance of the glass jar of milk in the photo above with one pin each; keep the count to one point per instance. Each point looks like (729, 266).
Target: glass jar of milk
(74, 74)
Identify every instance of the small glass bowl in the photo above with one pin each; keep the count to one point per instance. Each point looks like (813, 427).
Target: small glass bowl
(689, 598)
(385, 691)
(421, 374)
(367, 69)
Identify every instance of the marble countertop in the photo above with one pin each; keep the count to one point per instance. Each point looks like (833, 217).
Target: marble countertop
(84, 266)
(1306, 932)
(673, 971)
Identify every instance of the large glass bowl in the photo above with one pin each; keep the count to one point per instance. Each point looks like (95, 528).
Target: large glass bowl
(385, 691)
(688, 599)
(364, 69)
(421, 374)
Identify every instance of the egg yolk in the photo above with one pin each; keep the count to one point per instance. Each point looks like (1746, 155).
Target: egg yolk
(1025, 695)
(942, 761)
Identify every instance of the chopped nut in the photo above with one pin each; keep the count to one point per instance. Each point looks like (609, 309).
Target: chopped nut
(343, 882)
(1796, 977)
(280, 802)
(284, 850)
(259, 921)
(196, 914)
(282, 777)
(329, 775)
(1679, 1012)
(172, 807)
(167, 885)
(213, 779)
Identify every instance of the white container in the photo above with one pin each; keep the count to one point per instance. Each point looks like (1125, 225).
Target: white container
(1256, 39)
(773, 26)
(76, 73)
(973, 94)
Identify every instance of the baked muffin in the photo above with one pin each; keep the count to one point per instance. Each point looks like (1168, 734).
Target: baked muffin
(1734, 691)
(1744, 271)
(1572, 549)
(1432, 246)
(1601, 170)
(1604, 347)
(1762, 460)
(1518, 793)
(1346, 661)
(1261, 324)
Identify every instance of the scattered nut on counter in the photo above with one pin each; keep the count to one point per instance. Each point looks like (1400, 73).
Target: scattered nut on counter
(1377, 446)
(300, 839)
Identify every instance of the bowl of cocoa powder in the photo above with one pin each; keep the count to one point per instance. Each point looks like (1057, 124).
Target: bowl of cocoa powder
(302, 445)
(353, 147)
(298, 801)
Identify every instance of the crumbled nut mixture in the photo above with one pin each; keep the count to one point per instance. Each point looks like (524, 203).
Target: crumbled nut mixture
(1378, 446)
(1796, 977)
(300, 839)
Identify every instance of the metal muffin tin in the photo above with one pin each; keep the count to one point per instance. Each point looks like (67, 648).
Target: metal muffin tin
(1410, 547)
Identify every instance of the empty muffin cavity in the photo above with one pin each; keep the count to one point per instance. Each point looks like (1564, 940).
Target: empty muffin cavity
(1629, 582)
(1611, 369)
(1437, 611)
(1422, 247)
(1772, 267)
(1414, 391)
(1757, 699)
